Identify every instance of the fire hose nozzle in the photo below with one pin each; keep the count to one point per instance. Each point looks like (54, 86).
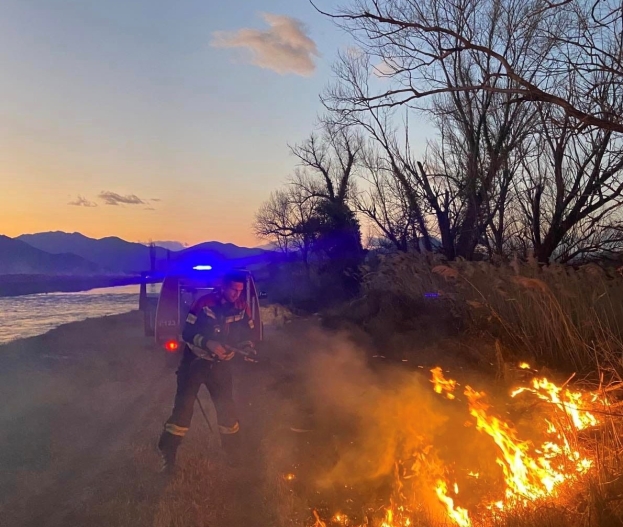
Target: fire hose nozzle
(247, 352)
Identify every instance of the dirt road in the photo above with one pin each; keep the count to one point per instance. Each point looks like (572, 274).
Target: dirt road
(83, 405)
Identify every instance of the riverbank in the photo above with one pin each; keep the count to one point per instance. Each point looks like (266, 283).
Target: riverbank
(82, 408)
(27, 284)
(324, 417)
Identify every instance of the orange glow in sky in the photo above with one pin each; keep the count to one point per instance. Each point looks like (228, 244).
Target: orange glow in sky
(189, 209)
(133, 98)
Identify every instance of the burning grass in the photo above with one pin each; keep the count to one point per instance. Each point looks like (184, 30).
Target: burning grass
(496, 473)
(545, 454)
(381, 447)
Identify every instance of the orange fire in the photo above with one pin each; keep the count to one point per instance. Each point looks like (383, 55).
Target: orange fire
(442, 384)
(458, 514)
(319, 522)
(530, 472)
(573, 404)
(396, 517)
(526, 475)
(340, 518)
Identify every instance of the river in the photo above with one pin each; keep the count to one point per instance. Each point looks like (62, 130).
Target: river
(30, 315)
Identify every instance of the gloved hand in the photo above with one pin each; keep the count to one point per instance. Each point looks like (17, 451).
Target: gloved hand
(249, 358)
(249, 348)
(219, 350)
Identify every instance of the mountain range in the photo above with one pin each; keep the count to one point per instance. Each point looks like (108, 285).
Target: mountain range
(61, 253)
(18, 257)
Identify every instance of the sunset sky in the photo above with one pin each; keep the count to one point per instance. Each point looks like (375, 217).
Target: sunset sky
(154, 119)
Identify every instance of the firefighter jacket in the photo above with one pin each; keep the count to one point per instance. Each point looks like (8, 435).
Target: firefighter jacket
(212, 317)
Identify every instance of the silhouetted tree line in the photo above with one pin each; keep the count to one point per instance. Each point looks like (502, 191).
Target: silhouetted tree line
(526, 98)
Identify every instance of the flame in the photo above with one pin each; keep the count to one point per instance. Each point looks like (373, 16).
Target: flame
(396, 517)
(442, 384)
(524, 366)
(340, 518)
(389, 519)
(573, 404)
(525, 475)
(530, 472)
(319, 522)
(459, 515)
(289, 477)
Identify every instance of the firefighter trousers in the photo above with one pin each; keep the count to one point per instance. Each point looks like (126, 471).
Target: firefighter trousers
(217, 377)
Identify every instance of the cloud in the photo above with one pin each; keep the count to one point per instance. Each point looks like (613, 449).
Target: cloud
(112, 198)
(385, 68)
(284, 48)
(155, 199)
(81, 201)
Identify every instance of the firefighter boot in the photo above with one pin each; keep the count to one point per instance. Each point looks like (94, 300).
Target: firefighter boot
(168, 445)
(232, 446)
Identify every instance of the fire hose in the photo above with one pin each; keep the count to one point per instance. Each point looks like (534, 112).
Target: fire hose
(246, 350)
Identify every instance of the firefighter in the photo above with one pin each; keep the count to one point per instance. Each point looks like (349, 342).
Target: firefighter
(215, 323)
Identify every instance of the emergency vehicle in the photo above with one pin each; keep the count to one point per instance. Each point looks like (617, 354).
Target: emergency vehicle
(166, 311)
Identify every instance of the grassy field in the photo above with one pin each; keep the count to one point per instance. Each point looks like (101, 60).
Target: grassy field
(330, 417)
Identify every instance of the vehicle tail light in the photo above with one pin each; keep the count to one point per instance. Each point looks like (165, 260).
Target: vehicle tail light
(171, 345)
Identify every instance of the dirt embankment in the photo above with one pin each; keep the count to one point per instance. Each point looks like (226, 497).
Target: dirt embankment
(84, 404)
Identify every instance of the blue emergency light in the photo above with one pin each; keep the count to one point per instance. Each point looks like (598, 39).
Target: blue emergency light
(202, 268)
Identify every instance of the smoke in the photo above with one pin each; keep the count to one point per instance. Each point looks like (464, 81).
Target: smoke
(389, 414)
(386, 434)
(376, 435)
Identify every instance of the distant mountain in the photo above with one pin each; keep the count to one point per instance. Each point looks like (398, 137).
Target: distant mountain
(226, 250)
(268, 247)
(18, 257)
(217, 253)
(112, 253)
(119, 255)
(170, 245)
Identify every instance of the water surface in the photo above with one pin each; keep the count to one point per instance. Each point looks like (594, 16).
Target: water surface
(30, 315)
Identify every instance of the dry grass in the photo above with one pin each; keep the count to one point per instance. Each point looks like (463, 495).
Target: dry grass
(109, 394)
(565, 318)
(561, 319)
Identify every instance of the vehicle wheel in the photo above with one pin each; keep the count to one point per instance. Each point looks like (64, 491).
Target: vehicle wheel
(148, 321)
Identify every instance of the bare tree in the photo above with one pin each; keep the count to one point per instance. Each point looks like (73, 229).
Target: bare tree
(314, 213)
(328, 163)
(288, 220)
(472, 168)
(353, 75)
(273, 221)
(590, 241)
(385, 204)
(535, 48)
(479, 133)
(572, 186)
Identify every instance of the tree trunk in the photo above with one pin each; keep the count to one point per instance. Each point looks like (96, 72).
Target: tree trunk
(468, 232)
